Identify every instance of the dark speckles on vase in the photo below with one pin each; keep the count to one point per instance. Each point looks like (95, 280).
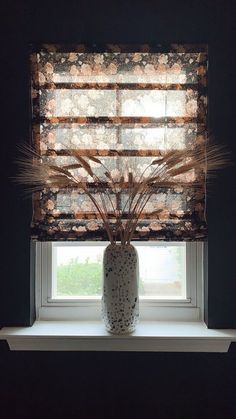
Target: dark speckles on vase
(120, 305)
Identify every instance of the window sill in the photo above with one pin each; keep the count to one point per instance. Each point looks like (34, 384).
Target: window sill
(150, 336)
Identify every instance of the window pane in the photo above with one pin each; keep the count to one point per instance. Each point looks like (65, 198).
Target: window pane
(143, 103)
(101, 139)
(133, 103)
(78, 103)
(158, 103)
(78, 271)
(162, 271)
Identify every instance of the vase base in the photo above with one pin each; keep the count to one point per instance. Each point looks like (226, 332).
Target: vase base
(121, 331)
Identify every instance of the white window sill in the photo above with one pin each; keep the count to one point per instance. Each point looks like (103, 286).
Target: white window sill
(150, 336)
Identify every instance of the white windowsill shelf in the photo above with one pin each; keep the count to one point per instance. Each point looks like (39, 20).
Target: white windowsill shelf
(150, 336)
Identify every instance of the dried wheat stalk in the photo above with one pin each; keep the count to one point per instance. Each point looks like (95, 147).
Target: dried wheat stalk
(37, 174)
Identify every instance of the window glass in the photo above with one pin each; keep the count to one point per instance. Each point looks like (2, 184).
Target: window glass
(78, 271)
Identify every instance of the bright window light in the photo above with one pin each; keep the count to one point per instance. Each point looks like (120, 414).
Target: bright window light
(78, 271)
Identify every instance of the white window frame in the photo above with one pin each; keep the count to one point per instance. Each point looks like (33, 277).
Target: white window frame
(89, 309)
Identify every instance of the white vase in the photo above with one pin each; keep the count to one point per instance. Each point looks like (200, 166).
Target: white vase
(120, 302)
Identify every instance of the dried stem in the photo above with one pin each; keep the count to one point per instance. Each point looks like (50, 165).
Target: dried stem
(36, 173)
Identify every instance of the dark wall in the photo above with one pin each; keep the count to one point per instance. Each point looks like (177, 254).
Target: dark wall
(116, 385)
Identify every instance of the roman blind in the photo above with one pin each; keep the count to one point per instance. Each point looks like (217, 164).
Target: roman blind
(126, 105)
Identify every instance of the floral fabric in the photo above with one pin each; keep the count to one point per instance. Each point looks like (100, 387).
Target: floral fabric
(125, 104)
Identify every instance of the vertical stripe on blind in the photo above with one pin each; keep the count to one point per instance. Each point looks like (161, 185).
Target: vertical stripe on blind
(125, 104)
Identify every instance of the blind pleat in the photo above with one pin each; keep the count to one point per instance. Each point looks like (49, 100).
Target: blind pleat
(126, 108)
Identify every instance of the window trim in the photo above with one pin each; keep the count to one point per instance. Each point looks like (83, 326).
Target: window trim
(189, 309)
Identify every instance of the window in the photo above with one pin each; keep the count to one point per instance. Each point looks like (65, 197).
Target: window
(126, 106)
(77, 271)
(69, 280)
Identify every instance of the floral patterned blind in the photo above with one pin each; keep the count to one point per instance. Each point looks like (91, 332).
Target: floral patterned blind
(125, 104)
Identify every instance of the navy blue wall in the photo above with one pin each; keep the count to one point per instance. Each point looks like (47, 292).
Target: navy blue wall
(68, 385)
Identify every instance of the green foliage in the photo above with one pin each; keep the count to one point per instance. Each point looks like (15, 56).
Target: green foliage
(75, 278)
(82, 279)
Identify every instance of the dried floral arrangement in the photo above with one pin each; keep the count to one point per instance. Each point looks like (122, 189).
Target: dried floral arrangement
(166, 171)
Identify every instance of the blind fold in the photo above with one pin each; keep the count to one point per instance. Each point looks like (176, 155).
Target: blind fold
(125, 104)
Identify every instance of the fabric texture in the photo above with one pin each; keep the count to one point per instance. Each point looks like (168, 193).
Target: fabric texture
(125, 105)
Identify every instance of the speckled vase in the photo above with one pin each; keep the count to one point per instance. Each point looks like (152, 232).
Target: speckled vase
(120, 303)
